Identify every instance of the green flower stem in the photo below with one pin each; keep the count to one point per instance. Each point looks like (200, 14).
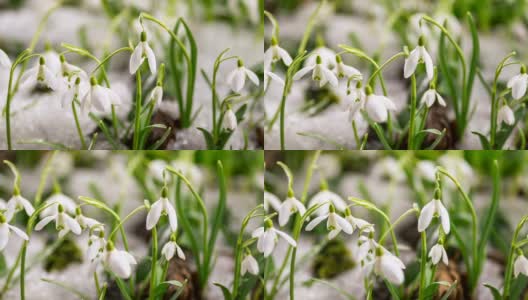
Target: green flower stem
(109, 56)
(474, 220)
(378, 70)
(22, 58)
(412, 114)
(363, 55)
(370, 206)
(391, 228)
(101, 205)
(423, 266)
(191, 63)
(494, 100)
(509, 263)
(239, 251)
(137, 117)
(203, 210)
(296, 233)
(154, 262)
(121, 222)
(79, 130)
(29, 229)
(97, 285)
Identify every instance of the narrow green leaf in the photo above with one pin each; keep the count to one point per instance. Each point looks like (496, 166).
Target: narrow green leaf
(483, 140)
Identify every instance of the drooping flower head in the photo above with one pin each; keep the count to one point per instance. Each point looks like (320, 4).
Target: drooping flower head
(343, 71)
(162, 206)
(320, 73)
(334, 223)
(289, 207)
(377, 106)
(519, 83)
(417, 56)
(63, 222)
(142, 52)
(237, 78)
(171, 248)
(229, 122)
(5, 232)
(39, 75)
(100, 97)
(267, 238)
(118, 261)
(505, 115)
(438, 253)
(435, 208)
(276, 53)
(520, 266)
(249, 264)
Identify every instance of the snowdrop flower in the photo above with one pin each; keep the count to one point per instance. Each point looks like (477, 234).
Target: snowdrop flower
(164, 206)
(5, 231)
(16, 203)
(230, 121)
(249, 264)
(271, 199)
(53, 61)
(142, 52)
(320, 73)
(343, 71)
(334, 223)
(100, 97)
(54, 201)
(40, 74)
(270, 75)
(518, 84)
(378, 107)
(268, 237)
(290, 206)
(96, 244)
(331, 198)
(431, 96)
(367, 246)
(327, 57)
(427, 170)
(388, 266)
(5, 62)
(84, 221)
(156, 96)
(506, 115)
(419, 55)
(237, 78)
(74, 89)
(63, 222)
(438, 253)
(276, 53)
(431, 209)
(520, 266)
(118, 261)
(68, 70)
(357, 223)
(170, 248)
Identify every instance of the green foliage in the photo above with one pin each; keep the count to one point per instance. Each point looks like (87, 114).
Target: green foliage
(333, 259)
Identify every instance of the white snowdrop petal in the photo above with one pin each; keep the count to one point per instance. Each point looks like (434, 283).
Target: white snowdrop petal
(426, 216)
(286, 237)
(4, 60)
(300, 74)
(72, 224)
(179, 250)
(19, 232)
(4, 235)
(286, 58)
(313, 223)
(343, 223)
(44, 222)
(252, 76)
(410, 63)
(444, 216)
(257, 232)
(136, 60)
(151, 58)
(428, 61)
(154, 215)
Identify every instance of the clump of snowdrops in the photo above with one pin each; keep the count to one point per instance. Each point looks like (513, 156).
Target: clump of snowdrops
(378, 252)
(440, 75)
(90, 93)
